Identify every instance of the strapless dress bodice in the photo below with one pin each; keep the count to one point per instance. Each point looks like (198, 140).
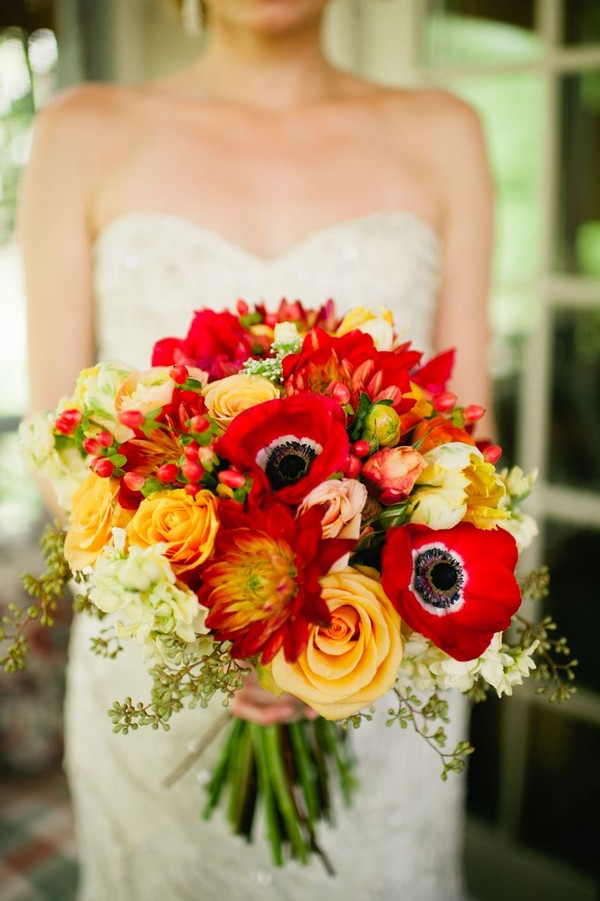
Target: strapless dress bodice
(152, 270)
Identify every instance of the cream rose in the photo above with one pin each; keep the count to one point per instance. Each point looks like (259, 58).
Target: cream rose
(342, 501)
(186, 526)
(352, 662)
(94, 513)
(374, 321)
(227, 397)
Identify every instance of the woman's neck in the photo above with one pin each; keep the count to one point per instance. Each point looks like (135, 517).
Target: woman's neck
(265, 71)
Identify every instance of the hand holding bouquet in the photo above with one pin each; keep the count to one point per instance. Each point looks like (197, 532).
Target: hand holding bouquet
(304, 496)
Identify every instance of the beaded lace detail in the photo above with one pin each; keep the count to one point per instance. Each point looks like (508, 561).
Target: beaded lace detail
(138, 839)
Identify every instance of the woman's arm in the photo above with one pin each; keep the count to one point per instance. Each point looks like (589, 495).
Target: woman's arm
(465, 186)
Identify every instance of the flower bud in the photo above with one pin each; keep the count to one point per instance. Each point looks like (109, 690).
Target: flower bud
(179, 374)
(339, 392)
(68, 421)
(231, 478)
(168, 472)
(134, 480)
(133, 419)
(382, 425)
(103, 467)
(352, 467)
(444, 402)
(392, 472)
(473, 412)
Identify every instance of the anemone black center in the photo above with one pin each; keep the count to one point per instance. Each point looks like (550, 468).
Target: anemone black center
(443, 576)
(438, 578)
(289, 462)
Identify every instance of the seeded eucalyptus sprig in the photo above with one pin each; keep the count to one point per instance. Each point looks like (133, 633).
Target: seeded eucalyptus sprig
(423, 716)
(555, 677)
(46, 592)
(181, 677)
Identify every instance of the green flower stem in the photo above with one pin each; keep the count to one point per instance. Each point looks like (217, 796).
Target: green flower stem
(335, 746)
(215, 786)
(271, 739)
(240, 776)
(266, 788)
(305, 769)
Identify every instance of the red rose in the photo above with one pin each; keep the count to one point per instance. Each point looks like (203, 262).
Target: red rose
(215, 342)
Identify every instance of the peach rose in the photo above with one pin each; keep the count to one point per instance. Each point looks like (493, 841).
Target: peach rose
(342, 501)
(186, 526)
(354, 661)
(94, 513)
(393, 471)
(151, 389)
(229, 396)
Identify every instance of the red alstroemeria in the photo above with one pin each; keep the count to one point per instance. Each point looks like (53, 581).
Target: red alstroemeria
(434, 375)
(215, 342)
(263, 589)
(296, 443)
(305, 319)
(326, 361)
(456, 586)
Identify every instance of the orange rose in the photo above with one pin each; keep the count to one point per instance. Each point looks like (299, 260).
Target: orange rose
(438, 431)
(185, 525)
(94, 512)
(354, 661)
(229, 396)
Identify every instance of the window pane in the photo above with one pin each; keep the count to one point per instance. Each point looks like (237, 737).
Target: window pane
(562, 797)
(510, 108)
(574, 446)
(570, 552)
(579, 195)
(463, 32)
(582, 22)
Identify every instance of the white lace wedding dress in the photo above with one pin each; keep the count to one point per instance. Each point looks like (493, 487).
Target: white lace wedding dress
(139, 840)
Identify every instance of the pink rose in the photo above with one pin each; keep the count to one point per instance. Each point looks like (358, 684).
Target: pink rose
(393, 471)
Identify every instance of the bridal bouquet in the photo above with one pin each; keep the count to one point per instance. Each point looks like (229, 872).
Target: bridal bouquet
(300, 495)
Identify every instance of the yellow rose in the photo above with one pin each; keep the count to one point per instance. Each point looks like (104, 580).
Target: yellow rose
(94, 512)
(229, 396)
(186, 526)
(375, 321)
(354, 661)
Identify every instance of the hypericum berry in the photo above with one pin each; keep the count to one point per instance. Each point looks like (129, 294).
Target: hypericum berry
(103, 467)
(231, 478)
(361, 448)
(179, 374)
(168, 472)
(242, 308)
(191, 470)
(473, 412)
(134, 480)
(105, 438)
(190, 452)
(192, 488)
(91, 446)
(199, 424)
(352, 467)
(68, 421)
(133, 419)
(444, 402)
(492, 453)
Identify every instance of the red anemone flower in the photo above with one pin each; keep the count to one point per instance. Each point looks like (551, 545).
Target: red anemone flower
(456, 586)
(263, 587)
(295, 443)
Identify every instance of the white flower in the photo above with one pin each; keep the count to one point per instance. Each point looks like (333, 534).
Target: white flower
(377, 322)
(141, 588)
(65, 469)
(95, 393)
(522, 527)
(439, 495)
(518, 484)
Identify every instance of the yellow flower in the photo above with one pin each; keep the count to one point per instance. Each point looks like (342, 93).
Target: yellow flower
(485, 491)
(94, 513)
(186, 526)
(349, 664)
(375, 321)
(229, 396)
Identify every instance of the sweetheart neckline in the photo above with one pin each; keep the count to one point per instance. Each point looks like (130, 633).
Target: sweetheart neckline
(313, 235)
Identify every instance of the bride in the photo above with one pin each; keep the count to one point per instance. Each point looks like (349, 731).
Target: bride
(258, 172)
